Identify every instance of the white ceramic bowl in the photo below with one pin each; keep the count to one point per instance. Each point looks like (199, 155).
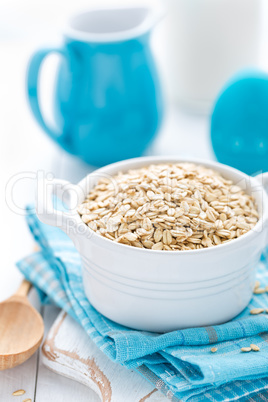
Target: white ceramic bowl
(160, 290)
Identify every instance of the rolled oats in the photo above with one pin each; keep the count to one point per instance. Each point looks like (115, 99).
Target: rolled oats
(179, 206)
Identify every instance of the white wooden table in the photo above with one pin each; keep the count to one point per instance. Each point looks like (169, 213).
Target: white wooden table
(24, 148)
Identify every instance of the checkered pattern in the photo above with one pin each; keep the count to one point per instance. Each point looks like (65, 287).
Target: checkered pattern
(179, 363)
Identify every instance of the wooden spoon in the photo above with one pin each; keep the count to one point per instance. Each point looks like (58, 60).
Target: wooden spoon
(21, 328)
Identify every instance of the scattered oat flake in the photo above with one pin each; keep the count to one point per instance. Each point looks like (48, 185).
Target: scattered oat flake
(213, 350)
(259, 291)
(27, 400)
(255, 311)
(255, 348)
(246, 349)
(19, 392)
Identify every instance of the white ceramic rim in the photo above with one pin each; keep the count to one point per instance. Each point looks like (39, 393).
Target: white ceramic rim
(125, 165)
(155, 13)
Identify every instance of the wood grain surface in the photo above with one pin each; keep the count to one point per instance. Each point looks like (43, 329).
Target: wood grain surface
(69, 351)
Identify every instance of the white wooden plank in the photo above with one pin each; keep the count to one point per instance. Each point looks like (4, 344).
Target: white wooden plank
(21, 377)
(68, 350)
(56, 388)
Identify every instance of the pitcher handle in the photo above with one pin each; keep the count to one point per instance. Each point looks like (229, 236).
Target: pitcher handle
(33, 91)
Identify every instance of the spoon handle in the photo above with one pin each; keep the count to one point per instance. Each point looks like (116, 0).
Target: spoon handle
(24, 288)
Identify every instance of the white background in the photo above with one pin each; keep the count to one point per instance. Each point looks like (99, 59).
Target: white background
(24, 26)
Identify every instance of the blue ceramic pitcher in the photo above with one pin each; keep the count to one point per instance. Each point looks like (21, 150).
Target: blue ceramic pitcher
(108, 103)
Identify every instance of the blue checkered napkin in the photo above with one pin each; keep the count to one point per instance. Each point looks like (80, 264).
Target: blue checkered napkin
(179, 363)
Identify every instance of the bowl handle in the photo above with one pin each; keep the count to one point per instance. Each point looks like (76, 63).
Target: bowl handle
(263, 179)
(48, 191)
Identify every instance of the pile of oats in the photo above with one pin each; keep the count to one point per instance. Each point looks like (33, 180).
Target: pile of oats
(179, 206)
